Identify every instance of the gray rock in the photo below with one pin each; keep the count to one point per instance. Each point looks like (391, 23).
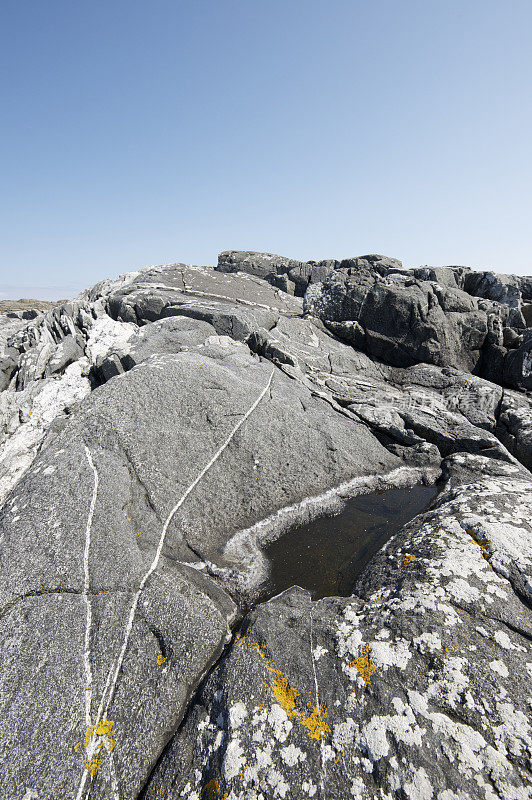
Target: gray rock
(67, 351)
(517, 367)
(263, 265)
(229, 303)
(179, 408)
(287, 274)
(525, 285)
(514, 426)
(430, 315)
(415, 685)
(133, 517)
(504, 289)
(445, 276)
(8, 366)
(168, 335)
(405, 322)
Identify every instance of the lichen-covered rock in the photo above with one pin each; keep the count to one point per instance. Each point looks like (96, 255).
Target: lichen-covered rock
(158, 430)
(417, 686)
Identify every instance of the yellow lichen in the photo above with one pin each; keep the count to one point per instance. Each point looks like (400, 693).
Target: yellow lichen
(482, 543)
(259, 648)
(283, 692)
(103, 729)
(93, 766)
(315, 722)
(161, 659)
(407, 560)
(286, 696)
(211, 790)
(364, 665)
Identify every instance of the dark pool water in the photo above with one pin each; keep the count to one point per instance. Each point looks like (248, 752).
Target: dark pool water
(329, 554)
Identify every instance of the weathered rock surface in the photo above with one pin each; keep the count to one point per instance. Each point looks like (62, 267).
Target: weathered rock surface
(158, 429)
(417, 686)
(448, 316)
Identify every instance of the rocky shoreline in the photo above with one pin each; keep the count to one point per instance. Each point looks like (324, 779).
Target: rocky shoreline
(159, 429)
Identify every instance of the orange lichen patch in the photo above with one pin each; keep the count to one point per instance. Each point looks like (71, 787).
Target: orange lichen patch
(161, 659)
(482, 542)
(286, 696)
(103, 729)
(407, 560)
(283, 692)
(93, 766)
(211, 790)
(315, 722)
(364, 665)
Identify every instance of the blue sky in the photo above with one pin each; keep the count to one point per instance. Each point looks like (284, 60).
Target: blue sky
(144, 132)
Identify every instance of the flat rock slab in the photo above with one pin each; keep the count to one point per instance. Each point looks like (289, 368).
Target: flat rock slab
(154, 292)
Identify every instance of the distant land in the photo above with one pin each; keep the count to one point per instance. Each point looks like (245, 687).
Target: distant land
(26, 304)
(51, 293)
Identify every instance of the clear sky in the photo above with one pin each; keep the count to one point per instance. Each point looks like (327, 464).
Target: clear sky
(141, 132)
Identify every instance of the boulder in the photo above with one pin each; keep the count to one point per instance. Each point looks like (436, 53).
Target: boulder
(517, 366)
(404, 321)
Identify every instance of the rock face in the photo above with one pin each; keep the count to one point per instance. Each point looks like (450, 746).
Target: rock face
(417, 686)
(159, 429)
(448, 316)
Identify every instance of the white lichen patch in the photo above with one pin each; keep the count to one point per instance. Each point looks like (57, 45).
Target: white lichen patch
(427, 641)
(279, 721)
(499, 667)
(390, 654)
(234, 759)
(309, 788)
(292, 754)
(402, 727)
(22, 432)
(504, 641)
(237, 715)
(105, 335)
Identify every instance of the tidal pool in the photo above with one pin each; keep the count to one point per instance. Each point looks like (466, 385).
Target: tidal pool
(328, 555)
